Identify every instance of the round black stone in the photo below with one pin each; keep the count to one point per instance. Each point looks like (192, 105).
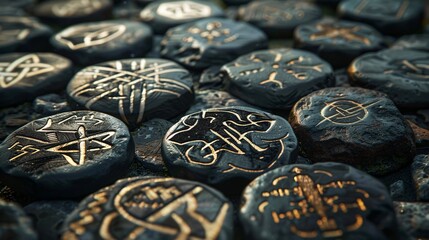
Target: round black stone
(355, 126)
(418, 42)
(401, 74)
(277, 78)
(393, 17)
(51, 104)
(320, 201)
(133, 90)
(14, 223)
(24, 76)
(68, 12)
(338, 42)
(152, 208)
(228, 147)
(209, 42)
(66, 155)
(48, 217)
(165, 14)
(90, 43)
(23, 34)
(279, 18)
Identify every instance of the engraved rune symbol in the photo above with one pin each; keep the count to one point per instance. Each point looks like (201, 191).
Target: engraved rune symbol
(345, 112)
(214, 33)
(384, 8)
(92, 35)
(329, 31)
(411, 69)
(311, 202)
(15, 28)
(183, 10)
(70, 8)
(24, 67)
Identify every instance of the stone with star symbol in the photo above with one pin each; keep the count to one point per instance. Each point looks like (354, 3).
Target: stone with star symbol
(67, 155)
(355, 126)
(165, 14)
(338, 42)
(276, 78)
(228, 147)
(212, 41)
(25, 76)
(401, 74)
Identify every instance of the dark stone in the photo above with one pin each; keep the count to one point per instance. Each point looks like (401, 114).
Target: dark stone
(413, 217)
(67, 155)
(95, 42)
(228, 147)
(279, 18)
(148, 140)
(392, 17)
(134, 90)
(17, 3)
(165, 14)
(69, 12)
(24, 76)
(210, 42)
(320, 201)
(338, 42)
(418, 42)
(421, 135)
(14, 224)
(48, 217)
(11, 11)
(211, 78)
(342, 78)
(143, 3)
(401, 74)
(152, 208)
(420, 171)
(23, 34)
(235, 2)
(16, 117)
(397, 189)
(51, 104)
(355, 126)
(278, 78)
(206, 99)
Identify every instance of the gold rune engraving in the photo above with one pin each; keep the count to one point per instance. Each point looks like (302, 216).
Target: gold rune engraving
(214, 33)
(330, 31)
(75, 7)
(24, 67)
(411, 69)
(181, 10)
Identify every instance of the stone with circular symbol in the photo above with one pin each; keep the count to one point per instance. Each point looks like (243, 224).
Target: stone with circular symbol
(15, 224)
(392, 17)
(402, 74)
(279, 18)
(228, 147)
(23, 34)
(66, 155)
(355, 126)
(320, 201)
(134, 90)
(209, 42)
(24, 76)
(338, 42)
(95, 42)
(418, 42)
(68, 12)
(278, 77)
(165, 14)
(152, 208)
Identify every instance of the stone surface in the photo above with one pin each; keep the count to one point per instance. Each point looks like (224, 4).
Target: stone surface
(95, 42)
(320, 201)
(152, 208)
(420, 172)
(67, 155)
(206, 99)
(15, 224)
(338, 42)
(401, 74)
(418, 42)
(16, 117)
(24, 76)
(228, 147)
(355, 126)
(276, 78)
(413, 217)
(134, 90)
(209, 42)
(51, 104)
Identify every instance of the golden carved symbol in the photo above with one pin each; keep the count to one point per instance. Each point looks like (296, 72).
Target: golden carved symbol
(147, 205)
(410, 69)
(130, 88)
(24, 67)
(228, 132)
(213, 31)
(75, 7)
(380, 7)
(345, 112)
(329, 31)
(313, 199)
(84, 36)
(180, 10)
